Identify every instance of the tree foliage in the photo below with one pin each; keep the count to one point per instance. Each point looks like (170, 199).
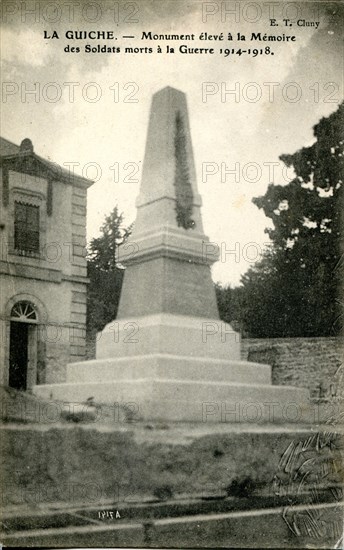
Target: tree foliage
(103, 249)
(104, 272)
(229, 304)
(294, 289)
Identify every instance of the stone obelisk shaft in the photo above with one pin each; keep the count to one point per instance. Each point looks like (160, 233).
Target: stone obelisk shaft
(168, 256)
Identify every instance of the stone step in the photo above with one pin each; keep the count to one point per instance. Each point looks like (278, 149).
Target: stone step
(164, 366)
(190, 400)
(170, 334)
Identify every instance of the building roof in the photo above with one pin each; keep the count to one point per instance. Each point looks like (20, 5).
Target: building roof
(11, 151)
(7, 147)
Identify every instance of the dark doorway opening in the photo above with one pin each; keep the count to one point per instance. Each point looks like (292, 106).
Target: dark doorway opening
(19, 336)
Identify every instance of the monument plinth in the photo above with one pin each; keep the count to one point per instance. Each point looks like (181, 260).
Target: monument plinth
(168, 351)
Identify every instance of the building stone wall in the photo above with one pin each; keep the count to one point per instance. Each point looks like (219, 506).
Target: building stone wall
(54, 279)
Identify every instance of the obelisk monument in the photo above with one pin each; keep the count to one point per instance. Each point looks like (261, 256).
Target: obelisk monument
(168, 351)
(168, 251)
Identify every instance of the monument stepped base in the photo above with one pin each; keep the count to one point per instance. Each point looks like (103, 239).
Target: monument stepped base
(169, 367)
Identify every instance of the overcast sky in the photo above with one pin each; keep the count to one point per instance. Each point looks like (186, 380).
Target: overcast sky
(248, 131)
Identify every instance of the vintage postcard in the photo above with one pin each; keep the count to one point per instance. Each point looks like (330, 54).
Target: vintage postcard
(171, 274)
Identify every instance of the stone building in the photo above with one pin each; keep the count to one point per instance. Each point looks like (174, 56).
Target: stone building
(43, 278)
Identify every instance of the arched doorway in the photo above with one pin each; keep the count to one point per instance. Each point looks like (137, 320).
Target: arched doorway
(23, 346)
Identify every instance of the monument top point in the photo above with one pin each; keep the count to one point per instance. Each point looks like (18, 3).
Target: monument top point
(168, 169)
(167, 90)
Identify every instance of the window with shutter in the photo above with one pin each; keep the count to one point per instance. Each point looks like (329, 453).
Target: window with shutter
(26, 227)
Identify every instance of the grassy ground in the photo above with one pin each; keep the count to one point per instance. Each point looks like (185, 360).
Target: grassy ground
(51, 456)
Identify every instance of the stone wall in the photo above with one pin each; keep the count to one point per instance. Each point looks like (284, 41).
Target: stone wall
(53, 279)
(313, 363)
